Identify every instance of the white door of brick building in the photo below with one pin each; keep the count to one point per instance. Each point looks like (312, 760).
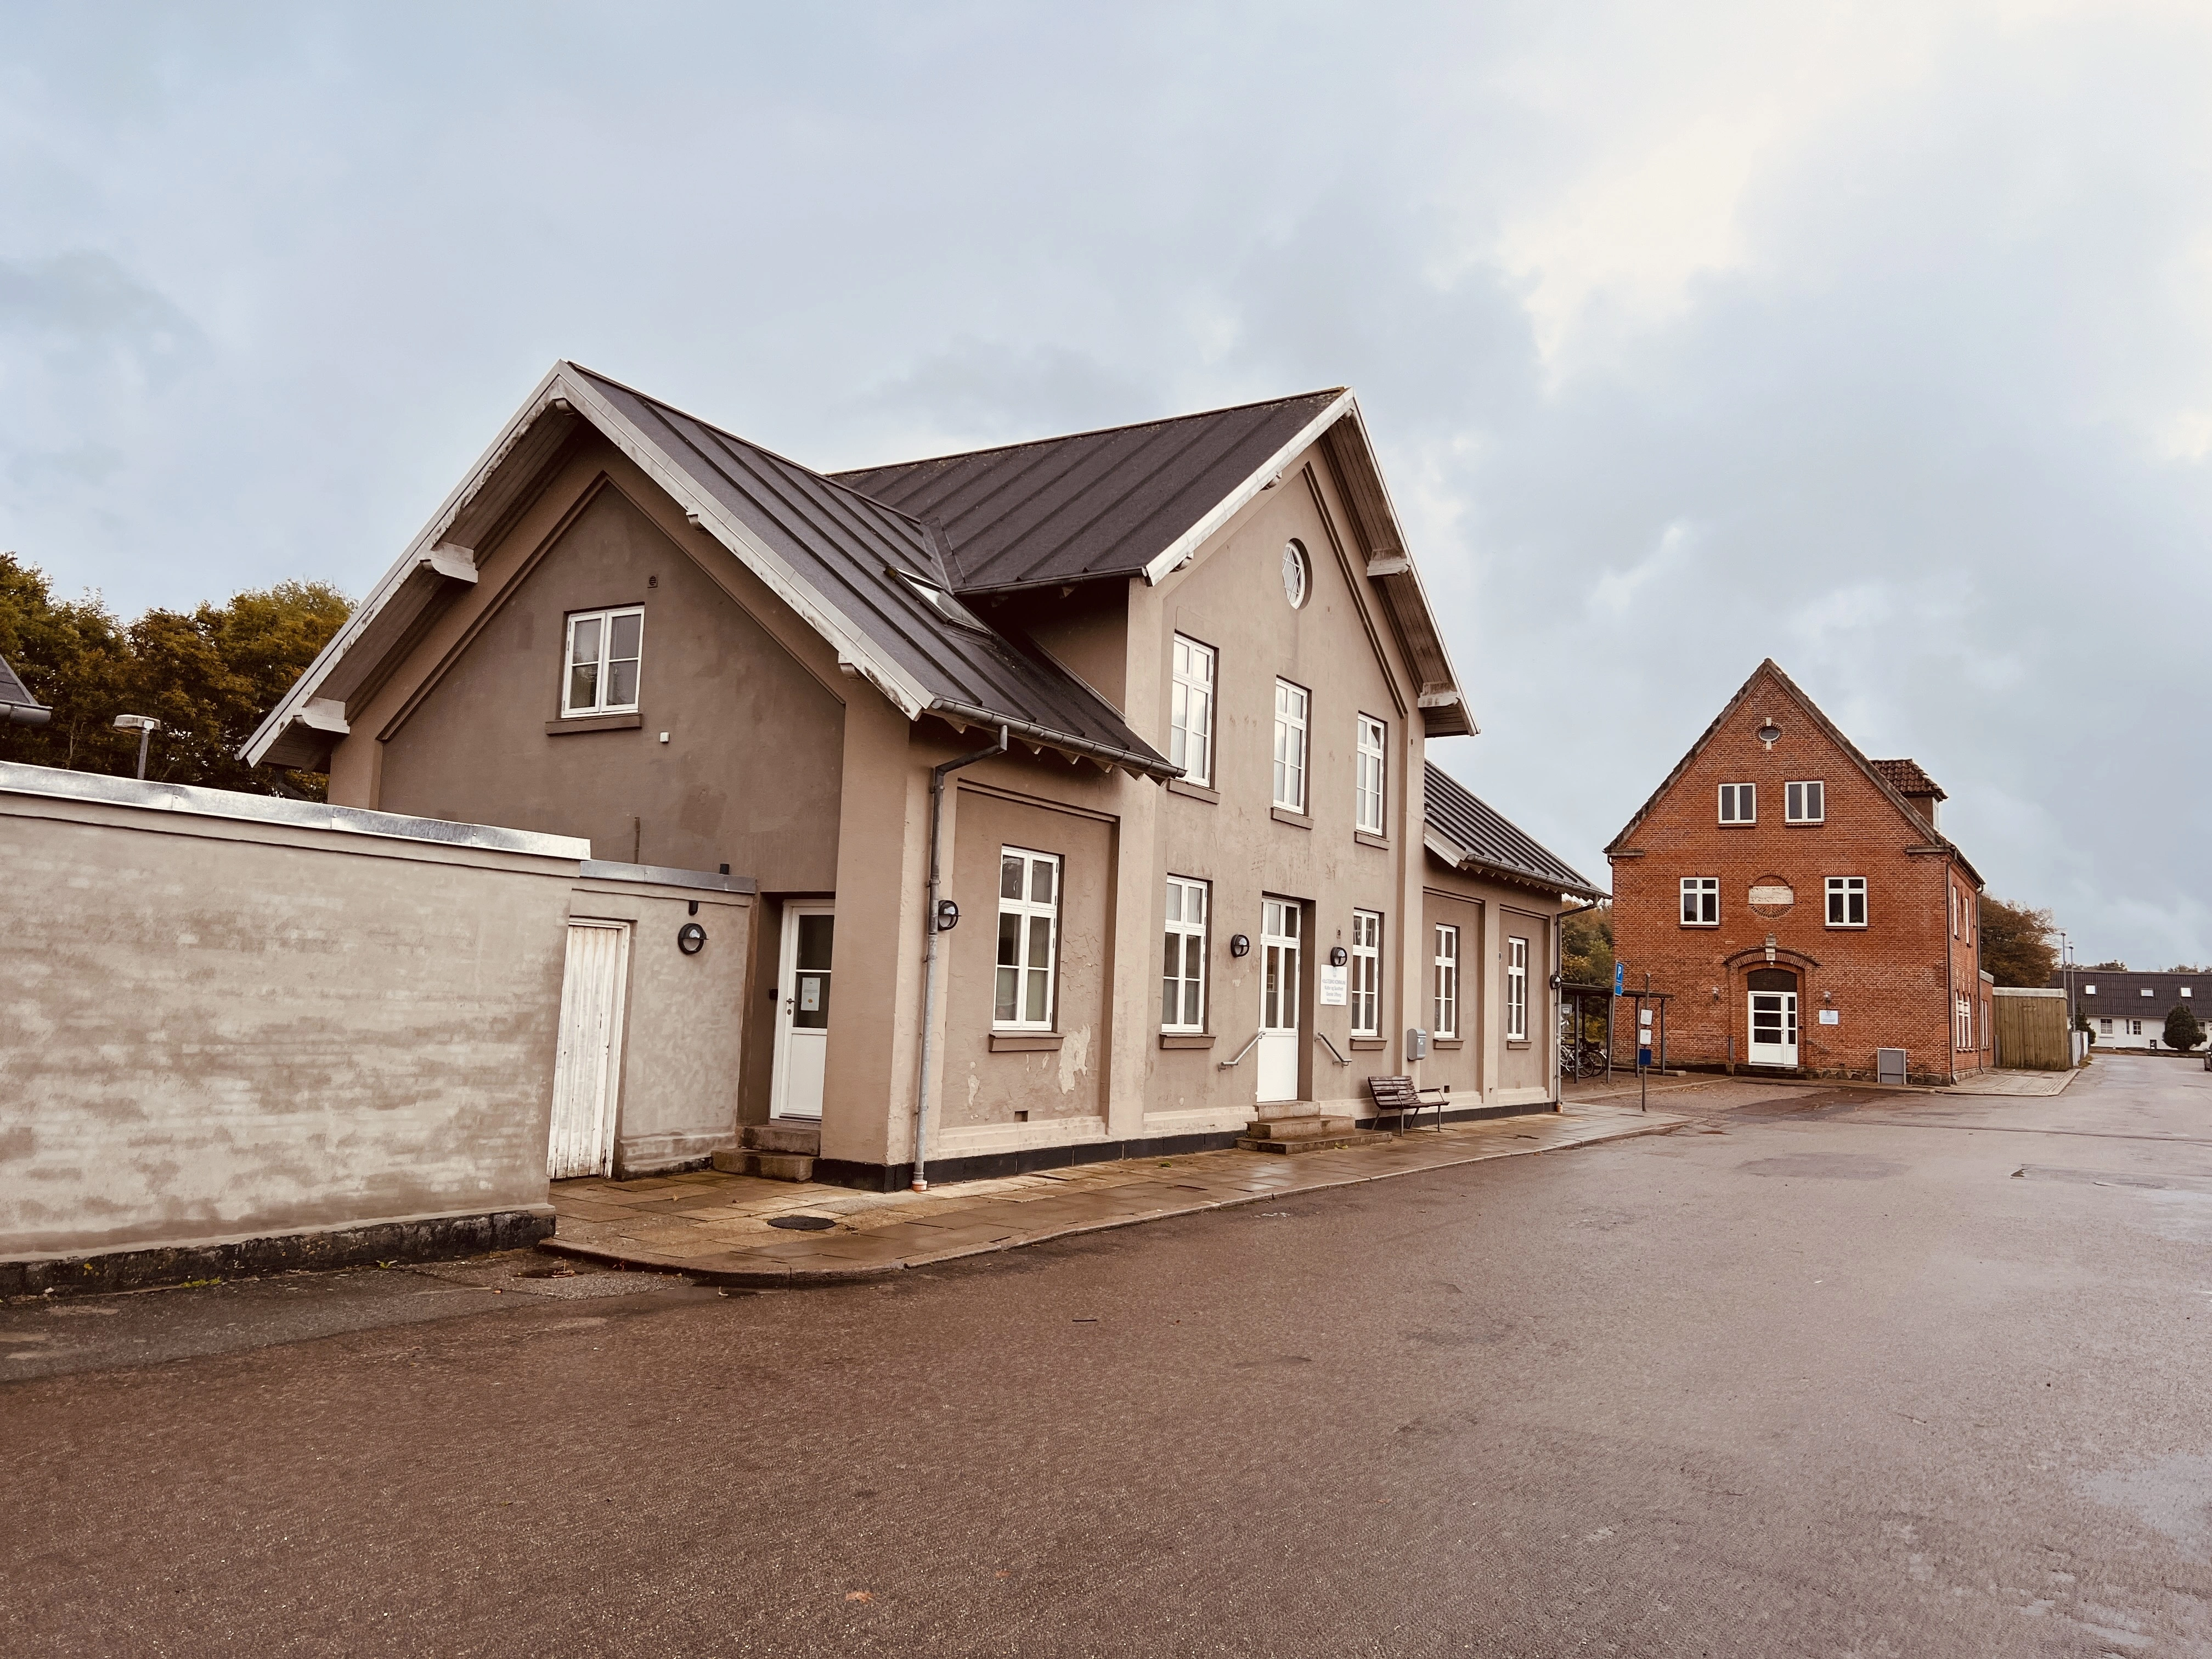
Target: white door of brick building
(588, 1062)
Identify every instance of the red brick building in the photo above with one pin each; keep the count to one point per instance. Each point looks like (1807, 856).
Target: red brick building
(1800, 903)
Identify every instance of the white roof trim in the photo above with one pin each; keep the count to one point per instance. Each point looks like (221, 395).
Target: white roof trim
(561, 383)
(1156, 571)
(424, 550)
(851, 644)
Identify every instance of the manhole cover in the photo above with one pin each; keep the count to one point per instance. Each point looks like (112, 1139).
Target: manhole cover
(803, 1223)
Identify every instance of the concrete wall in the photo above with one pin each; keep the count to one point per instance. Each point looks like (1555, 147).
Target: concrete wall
(683, 1017)
(236, 1017)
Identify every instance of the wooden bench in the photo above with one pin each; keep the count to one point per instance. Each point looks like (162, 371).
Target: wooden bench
(1399, 1094)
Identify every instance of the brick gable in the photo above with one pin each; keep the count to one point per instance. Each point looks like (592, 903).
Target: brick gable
(1890, 984)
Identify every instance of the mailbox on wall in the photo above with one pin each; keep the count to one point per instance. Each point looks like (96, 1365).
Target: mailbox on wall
(1417, 1044)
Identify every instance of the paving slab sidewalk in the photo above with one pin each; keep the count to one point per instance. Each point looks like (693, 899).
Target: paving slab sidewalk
(718, 1229)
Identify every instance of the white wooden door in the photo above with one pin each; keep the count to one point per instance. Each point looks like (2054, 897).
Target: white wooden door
(802, 1019)
(588, 1064)
(1774, 1028)
(1279, 1000)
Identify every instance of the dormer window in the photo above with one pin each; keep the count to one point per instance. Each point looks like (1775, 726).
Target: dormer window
(942, 603)
(1803, 802)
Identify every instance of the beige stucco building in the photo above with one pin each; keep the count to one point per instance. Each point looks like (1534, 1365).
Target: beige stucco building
(1149, 707)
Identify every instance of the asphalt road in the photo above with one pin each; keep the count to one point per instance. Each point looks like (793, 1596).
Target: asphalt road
(1818, 1374)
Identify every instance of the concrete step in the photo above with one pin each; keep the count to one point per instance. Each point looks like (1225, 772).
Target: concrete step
(768, 1166)
(1297, 1125)
(783, 1135)
(1300, 1143)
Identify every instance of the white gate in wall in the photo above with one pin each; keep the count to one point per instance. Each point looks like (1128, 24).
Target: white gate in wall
(589, 1058)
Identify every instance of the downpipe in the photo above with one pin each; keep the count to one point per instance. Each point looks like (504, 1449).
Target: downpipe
(932, 962)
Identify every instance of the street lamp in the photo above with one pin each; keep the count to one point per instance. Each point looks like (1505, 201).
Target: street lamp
(145, 726)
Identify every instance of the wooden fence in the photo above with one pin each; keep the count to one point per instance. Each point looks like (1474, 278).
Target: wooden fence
(2031, 1030)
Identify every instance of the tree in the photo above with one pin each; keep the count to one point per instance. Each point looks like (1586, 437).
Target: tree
(210, 676)
(1586, 946)
(2016, 944)
(2184, 1030)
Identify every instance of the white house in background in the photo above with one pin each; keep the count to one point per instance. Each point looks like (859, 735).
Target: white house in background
(2128, 1009)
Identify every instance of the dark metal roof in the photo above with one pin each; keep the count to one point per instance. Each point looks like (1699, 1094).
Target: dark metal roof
(2120, 991)
(1907, 779)
(12, 689)
(1102, 503)
(847, 549)
(1489, 839)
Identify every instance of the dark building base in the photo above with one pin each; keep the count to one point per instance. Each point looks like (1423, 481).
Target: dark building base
(989, 1166)
(439, 1238)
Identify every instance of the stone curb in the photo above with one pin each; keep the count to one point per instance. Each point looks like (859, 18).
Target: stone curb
(764, 1278)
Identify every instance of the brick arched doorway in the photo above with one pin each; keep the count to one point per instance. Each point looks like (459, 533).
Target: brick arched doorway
(1772, 998)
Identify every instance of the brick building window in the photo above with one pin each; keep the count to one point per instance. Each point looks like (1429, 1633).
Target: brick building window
(1962, 1023)
(1739, 803)
(1847, 898)
(1803, 802)
(1701, 900)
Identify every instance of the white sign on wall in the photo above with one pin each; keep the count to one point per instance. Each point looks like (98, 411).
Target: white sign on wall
(1332, 985)
(1831, 1017)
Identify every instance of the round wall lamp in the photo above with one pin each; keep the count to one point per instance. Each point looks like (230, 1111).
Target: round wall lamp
(948, 915)
(690, 939)
(1338, 956)
(1239, 945)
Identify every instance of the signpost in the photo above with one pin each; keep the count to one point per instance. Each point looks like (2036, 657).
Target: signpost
(1647, 1001)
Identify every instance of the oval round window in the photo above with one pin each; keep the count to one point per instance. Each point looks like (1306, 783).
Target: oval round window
(1297, 579)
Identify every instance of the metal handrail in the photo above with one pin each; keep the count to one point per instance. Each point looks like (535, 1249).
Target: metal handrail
(1322, 1038)
(1241, 1053)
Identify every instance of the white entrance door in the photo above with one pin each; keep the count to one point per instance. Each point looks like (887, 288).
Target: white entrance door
(588, 1062)
(802, 1020)
(1774, 1028)
(1278, 1000)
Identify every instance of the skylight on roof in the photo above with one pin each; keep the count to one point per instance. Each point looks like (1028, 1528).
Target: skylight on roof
(944, 604)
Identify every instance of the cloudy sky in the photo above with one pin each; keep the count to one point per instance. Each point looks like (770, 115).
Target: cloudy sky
(1876, 338)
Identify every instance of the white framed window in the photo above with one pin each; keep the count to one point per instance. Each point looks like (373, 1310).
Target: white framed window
(1847, 901)
(1962, 1023)
(1291, 705)
(1183, 961)
(1954, 911)
(1701, 901)
(1190, 710)
(604, 649)
(1029, 940)
(2105, 1027)
(1368, 779)
(1739, 803)
(1366, 973)
(1804, 803)
(2134, 1028)
(1446, 1017)
(1517, 990)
